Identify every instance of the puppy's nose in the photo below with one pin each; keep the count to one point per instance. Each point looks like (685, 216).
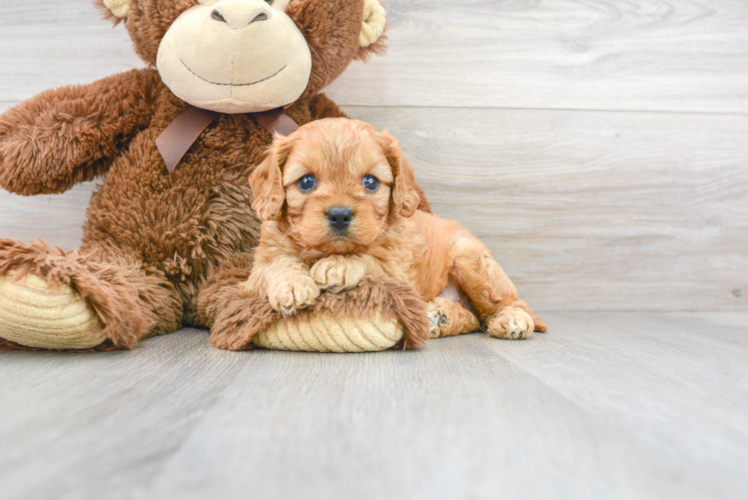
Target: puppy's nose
(340, 217)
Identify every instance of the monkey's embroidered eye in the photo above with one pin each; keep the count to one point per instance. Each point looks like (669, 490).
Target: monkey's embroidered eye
(371, 183)
(307, 183)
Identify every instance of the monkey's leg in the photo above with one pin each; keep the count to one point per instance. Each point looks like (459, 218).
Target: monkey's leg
(51, 299)
(238, 323)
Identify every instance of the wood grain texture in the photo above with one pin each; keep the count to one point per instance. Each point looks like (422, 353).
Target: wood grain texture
(592, 210)
(682, 55)
(584, 210)
(56, 219)
(667, 55)
(613, 406)
(49, 44)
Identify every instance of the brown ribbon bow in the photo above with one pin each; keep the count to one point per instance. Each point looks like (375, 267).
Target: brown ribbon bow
(181, 134)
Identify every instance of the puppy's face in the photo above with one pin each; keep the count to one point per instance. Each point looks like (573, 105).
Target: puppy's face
(337, 190)
(336, 183)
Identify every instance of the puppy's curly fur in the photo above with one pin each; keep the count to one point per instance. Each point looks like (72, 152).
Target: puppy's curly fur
(339, 204)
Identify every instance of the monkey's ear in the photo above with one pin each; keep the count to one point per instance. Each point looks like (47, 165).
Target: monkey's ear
(114, 8)
(372, 39)
(405, 199)
(267, 181)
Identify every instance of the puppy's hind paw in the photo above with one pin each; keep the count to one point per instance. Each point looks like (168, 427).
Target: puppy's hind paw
(449, 318)
(292, 294)
(437, 319)
(510, 323)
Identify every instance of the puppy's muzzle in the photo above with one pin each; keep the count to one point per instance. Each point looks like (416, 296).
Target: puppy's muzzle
(340, 218)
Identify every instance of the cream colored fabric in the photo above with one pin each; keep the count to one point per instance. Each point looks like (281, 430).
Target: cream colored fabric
(325, 333)
(375, 20)
(33, 315)
(236, 66)
(119, 8)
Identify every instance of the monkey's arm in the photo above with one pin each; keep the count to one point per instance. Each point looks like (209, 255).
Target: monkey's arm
(70, 135)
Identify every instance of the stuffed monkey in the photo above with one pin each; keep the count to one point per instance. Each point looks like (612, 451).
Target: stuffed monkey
(170, 231)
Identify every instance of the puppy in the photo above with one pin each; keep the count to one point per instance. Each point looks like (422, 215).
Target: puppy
(339, 203)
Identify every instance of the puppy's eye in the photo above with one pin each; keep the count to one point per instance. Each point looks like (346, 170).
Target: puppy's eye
(307, 183)
(270, 2)
(371, 183)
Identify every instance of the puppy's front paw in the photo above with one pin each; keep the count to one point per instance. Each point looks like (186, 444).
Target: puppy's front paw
(293, 292)
(511, 323)
(337, 273)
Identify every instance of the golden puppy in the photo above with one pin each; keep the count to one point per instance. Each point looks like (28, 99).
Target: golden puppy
(338, 203)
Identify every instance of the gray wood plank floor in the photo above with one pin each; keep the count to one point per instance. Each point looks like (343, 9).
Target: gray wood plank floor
(608, 406)
(597, 147)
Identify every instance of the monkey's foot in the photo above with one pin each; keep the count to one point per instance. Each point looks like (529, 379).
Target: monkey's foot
(326, 333)
(33, 314)
(374, 316)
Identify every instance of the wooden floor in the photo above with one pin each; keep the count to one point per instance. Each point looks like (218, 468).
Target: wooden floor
(598, 147)
(623, 405)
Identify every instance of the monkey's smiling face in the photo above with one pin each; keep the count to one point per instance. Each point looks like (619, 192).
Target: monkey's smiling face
(235, 56)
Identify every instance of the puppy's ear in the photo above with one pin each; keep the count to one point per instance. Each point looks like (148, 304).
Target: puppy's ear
(267, 181)
(405, 199)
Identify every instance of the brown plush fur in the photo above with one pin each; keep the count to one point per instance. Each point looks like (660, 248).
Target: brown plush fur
(301, 253)
(242, 318)
(123, 296)
(153, 241)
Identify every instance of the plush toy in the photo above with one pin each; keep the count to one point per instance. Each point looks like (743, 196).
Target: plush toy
(170, 232)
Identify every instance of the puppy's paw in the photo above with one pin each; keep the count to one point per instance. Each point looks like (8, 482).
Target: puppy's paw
(511, 323)
(448, 318)
(337, 273)
(292, 293)
(438, 317)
